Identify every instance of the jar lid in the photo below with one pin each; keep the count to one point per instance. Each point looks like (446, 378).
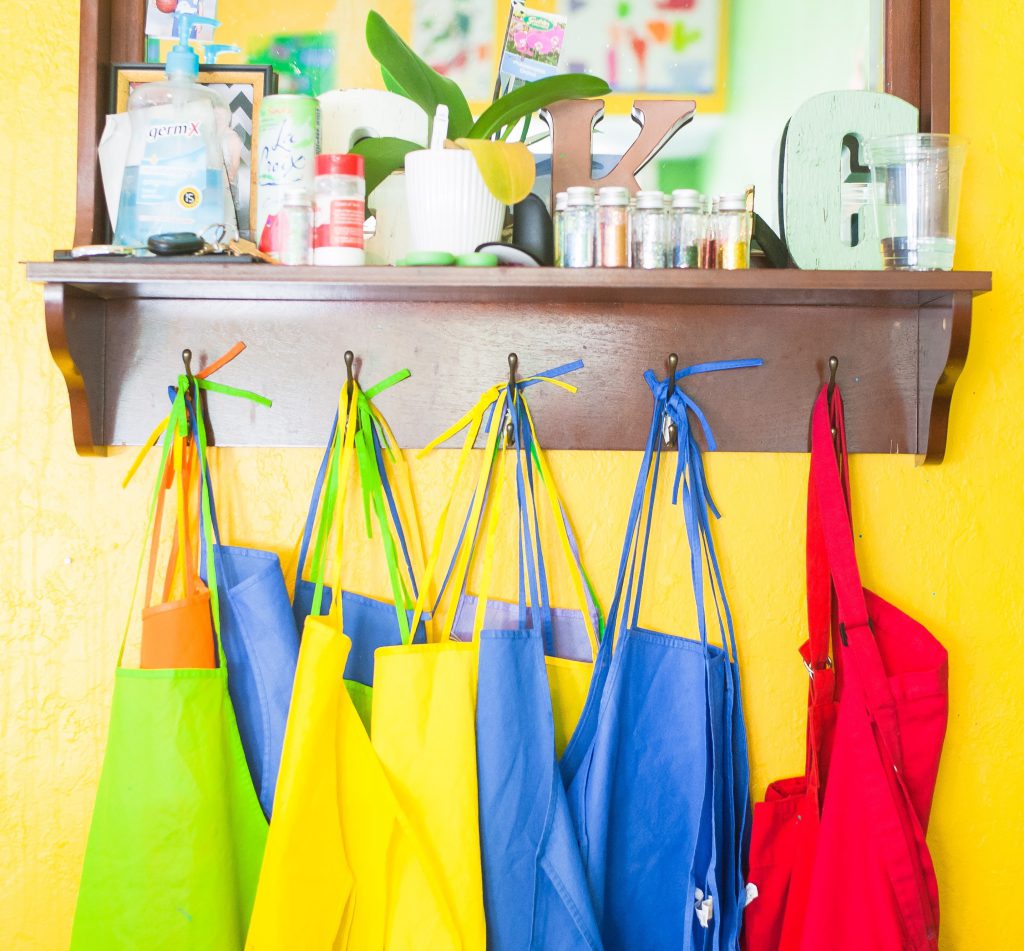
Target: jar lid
(650, 199)
(561, 200)
(580, 195)
(687, 198)
(733, 201)
(340, 164)
(613, 195)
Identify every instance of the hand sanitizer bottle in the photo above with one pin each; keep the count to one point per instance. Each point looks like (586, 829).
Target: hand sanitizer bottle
(174, 177)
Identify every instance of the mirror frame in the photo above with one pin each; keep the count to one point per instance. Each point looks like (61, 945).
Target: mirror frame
(112, 31)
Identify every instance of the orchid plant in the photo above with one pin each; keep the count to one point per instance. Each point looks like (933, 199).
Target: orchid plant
(507, 167)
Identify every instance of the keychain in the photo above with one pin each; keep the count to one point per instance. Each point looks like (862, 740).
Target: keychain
(178, 244)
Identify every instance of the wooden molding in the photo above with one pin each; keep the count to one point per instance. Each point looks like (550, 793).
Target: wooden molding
(945, 339)
(62, 322)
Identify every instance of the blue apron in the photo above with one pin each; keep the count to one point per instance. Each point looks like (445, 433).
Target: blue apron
(657, 774)
(535, 890)
(261, 646)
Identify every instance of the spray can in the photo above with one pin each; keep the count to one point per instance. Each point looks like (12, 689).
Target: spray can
(289, 139)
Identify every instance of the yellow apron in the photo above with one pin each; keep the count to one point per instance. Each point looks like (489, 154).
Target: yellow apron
(424, 731)
(345, 867)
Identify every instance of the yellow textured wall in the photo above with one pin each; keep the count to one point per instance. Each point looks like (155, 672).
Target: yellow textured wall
(945, 543)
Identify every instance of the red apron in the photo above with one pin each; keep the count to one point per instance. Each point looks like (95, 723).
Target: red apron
(838, 855)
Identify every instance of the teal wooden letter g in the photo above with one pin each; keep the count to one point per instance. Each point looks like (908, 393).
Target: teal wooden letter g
(814, 212)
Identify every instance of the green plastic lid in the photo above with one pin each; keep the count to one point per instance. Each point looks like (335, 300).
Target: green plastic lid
(427, 259)
(477, 259)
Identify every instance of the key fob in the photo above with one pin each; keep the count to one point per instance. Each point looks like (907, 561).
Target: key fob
(178, 242)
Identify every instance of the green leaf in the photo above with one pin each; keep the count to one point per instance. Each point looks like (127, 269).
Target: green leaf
(413, 78)
(508, 168)
(391, 84)
(527, 99)
(383, 156)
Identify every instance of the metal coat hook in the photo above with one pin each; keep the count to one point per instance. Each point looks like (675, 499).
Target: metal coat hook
(833, 368)
(349, 360)
(671, 434)
(199, 399)
(186, 358)
(513, 367)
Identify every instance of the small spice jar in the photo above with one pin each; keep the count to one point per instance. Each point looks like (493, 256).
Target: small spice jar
(340, 210)
(686, 227)
(708, 258)
(579, 227)
(733, 227)
(558, 226)
(650, 230)
(296, 227)
(613, 226)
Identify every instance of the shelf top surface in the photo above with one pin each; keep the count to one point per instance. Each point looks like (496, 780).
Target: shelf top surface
(208, 280)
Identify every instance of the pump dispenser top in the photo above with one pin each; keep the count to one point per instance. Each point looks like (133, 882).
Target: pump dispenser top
(212, 50)
(182, 60)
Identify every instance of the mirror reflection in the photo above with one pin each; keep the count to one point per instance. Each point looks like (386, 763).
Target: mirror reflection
(747, 63)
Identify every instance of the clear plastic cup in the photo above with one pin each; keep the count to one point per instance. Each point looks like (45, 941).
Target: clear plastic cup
(916, 196)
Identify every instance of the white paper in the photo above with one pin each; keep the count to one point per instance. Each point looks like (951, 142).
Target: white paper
(113, 154)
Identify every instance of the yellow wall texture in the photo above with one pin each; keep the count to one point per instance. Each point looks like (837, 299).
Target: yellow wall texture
(243, 22)
(945, 543)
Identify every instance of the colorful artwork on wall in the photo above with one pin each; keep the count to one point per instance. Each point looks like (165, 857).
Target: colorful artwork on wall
(456, 37)
(304, 62)
(669, 47)
(649, 48)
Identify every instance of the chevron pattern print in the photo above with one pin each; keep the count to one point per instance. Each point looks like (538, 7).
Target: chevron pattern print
(239, 100)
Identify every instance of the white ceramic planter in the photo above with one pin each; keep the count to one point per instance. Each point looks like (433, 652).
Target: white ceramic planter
(450, 208)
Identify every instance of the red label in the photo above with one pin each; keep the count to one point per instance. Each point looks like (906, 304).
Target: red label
(339, 223)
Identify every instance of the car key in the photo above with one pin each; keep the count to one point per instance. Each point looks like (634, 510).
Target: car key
(242, 246)
(176, 243)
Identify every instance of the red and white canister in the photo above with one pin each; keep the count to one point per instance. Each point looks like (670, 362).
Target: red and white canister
(340, 210)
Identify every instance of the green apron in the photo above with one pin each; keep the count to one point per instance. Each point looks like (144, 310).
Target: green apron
(177, 834)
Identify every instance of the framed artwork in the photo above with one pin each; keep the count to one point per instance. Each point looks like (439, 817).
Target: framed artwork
(241, 87)
(457, 38)
(646, 49)
(651, 49)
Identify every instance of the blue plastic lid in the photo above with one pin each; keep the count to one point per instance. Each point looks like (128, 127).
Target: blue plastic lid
(182, 59)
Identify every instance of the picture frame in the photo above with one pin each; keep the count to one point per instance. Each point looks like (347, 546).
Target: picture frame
(242, 87)
(618, 32)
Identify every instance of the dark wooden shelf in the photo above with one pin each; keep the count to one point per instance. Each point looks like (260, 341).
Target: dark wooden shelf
(147, 279)
(116, 329)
